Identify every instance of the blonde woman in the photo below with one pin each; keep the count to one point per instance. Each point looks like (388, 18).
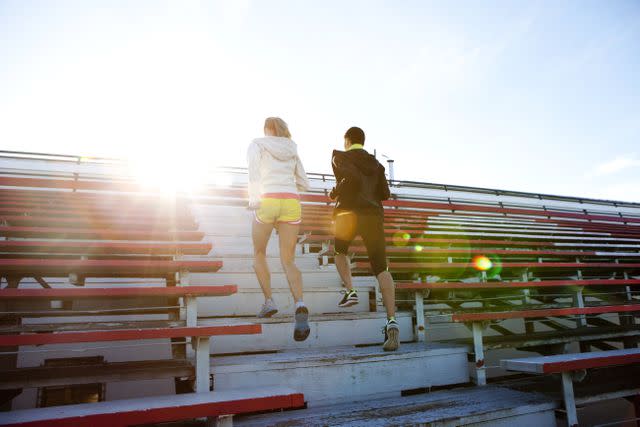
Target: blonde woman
(276, 175)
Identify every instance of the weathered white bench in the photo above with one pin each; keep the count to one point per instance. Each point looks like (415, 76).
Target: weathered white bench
(565, 364)
(218, 406)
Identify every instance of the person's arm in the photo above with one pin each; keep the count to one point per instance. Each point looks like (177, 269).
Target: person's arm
(302, 182)
(253, 162)
(383, 185)
(347, 182)
(333, 194)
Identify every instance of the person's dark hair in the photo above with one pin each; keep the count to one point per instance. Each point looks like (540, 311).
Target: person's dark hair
(355, 135)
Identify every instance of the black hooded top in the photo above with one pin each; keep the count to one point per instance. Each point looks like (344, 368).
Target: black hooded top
(361, 183)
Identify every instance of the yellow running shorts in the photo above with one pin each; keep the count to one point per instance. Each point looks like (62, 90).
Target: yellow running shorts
(279, 208)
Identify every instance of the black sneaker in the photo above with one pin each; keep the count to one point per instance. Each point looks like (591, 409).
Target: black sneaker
(391, 336)
(349, 298)
(301, 329)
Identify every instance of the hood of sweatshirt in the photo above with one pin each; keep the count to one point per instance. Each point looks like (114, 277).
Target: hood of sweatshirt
(361, 160)
(280, 148)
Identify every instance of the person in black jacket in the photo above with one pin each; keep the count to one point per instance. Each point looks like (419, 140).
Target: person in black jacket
(361, 186)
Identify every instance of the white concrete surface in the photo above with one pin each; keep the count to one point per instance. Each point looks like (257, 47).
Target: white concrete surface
(340, 374)
(326, 331)
(487, 407)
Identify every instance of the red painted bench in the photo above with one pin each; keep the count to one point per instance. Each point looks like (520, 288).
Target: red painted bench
(430, 266)
(410, 250)
(478, 321)
(200, 340)
(423, 290)
(75, 337)
(491, 209)
(565, 364)
(435, 222)
(16, 269)
(323, 238)
(87, 221)
(515, 285)
(105, 248)
(115, 213)
(117, 268)
(125, 292)
(97, 234)
(158, 409)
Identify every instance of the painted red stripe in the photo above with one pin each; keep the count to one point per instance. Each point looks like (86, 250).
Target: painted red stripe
(127, 334)
(408, 266)
(489, 232)
(47, 221)
(471, 317)
(102, 247)
(177, 413)
(510, 285)
(595, 362)
(412, 250)
(50, 266)
(175, 291)
(466, 242)
(477, 208)
(102, 213)
(105, 234)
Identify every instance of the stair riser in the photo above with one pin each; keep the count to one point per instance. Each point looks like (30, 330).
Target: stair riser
(279, 336)
(337, 381)
(249, 303)
(247, 279)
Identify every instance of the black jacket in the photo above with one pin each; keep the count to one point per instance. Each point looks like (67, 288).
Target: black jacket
(361, 183)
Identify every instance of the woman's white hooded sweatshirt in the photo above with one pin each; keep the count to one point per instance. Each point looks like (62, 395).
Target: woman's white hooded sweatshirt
(274, 167)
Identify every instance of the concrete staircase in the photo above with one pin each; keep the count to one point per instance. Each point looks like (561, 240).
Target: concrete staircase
(342, 360)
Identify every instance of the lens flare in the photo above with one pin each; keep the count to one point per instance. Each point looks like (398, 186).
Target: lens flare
(401, 239)
(482, 263)
(418, 248)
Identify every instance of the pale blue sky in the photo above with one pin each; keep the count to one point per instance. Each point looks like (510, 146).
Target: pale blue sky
(533, 96)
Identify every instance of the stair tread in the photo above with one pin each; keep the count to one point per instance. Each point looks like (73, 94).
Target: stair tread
(411, 410)
(331, 355)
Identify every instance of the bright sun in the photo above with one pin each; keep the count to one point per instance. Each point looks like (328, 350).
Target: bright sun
(170, 175)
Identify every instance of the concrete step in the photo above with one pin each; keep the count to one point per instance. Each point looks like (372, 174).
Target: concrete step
(327, 330)
(322, 276)
(479, 406)
(242, 246)
(242, 263)
(343, 374)
(247, 302)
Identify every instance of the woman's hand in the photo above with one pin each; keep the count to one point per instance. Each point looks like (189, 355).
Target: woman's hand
(254, 205)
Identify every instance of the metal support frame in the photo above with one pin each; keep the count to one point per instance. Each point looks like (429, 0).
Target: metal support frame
(628, 319)
(578, 300)
(581, 320)
(478, 348)
(420, 333)
(203, 369)
(529, 327)
(569, 399)
(220, 421)
(191, 304)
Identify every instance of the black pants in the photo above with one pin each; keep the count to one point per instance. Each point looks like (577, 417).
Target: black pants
(371, 228)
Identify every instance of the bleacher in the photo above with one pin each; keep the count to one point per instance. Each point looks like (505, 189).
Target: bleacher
(88, 258)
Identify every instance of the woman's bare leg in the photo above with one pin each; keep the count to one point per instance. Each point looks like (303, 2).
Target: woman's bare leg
(288, 239)
(261, 234)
